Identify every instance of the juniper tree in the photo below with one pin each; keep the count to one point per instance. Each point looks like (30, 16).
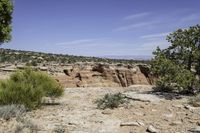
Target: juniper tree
(185, 47)
(176, 66)
(6, 9)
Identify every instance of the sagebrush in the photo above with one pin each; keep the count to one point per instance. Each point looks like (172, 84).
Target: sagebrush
(110, 101)
(28, 87)
(9, 111)
(25, 125)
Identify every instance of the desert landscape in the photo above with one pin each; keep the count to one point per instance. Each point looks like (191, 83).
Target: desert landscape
(145, 110)
(99, 66)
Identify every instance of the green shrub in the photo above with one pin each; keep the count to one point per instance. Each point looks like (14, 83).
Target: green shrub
(110, 101)
(182, 81)
(172, 77)
(32, 63)
(27, 87)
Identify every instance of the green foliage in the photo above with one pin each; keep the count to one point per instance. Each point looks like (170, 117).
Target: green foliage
(27, 87)
(161, 66)
(185, 47)
(32, 63)
(173, 66)
(8, 55)
(110, 101)
(6, 9)
(172, 77)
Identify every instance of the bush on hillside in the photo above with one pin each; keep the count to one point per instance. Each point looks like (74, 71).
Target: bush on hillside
(28, 87)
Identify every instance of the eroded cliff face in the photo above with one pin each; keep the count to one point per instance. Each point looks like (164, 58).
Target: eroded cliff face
(103, 75)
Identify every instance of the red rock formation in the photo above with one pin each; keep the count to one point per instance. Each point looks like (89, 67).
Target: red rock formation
(101, 75)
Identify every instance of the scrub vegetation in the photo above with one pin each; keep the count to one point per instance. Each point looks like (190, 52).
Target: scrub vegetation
(28, 87)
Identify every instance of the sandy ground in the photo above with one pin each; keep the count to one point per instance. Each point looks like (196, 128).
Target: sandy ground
(77, 113)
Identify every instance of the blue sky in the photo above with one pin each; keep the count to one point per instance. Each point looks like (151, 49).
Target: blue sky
(99, 27)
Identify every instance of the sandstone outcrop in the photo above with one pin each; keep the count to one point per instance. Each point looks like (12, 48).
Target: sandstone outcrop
(104, 75)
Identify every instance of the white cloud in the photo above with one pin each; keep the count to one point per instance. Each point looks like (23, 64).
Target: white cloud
(151, 46)
(191, 17)
(138, 25)
(76, 42)
(159, 35)
(173, 19)
(133, 16)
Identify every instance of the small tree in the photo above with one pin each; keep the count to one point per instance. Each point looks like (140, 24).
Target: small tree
(173, 66)
(6, 9)
(185, 47)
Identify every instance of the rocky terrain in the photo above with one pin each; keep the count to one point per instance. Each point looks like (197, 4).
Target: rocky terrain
(91, 74)
(76, 111)
(104, 75)
(145, 112)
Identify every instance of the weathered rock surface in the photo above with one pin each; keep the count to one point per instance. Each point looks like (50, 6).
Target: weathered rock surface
(102, 75)
(134, 123)
(142, 97)
(195, 129)
(189, 107)
(152, 129)
(174, 123)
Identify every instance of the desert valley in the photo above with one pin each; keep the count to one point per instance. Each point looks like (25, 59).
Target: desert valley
(84, 82)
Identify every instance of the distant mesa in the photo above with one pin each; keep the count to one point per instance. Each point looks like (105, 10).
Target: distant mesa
(129, 57)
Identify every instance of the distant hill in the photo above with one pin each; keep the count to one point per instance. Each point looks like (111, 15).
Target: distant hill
(129, 57)
(13, 56)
